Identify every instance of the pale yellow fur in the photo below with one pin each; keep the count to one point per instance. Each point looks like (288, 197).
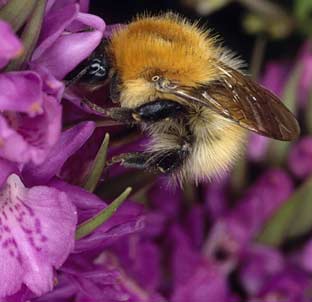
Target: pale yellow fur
(169, 46)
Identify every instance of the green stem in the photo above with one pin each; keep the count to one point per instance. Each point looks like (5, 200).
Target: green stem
(97, 166)
(308, 113)
(257, 56)
(30, 36)
(16, 12)
(93, 223)
(266, 8)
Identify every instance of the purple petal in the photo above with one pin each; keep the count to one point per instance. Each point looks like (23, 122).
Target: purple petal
(216, 198)
(53, 26)
(166, 200)
(37, 234)
(300, 158)
(56, 5)
(15, 94)
(195, 225)
(6, 169)
(258, 264)
(69, 50)
(10, 45)
(290, 285)
(206, 284)
(305, 257)
(232, 232)
(257, 147)
(305, 57)
(275, 76)
(70, 141)
(26, 139)
(184, 259)
(51, 85)
(128, 218)
(141, 260)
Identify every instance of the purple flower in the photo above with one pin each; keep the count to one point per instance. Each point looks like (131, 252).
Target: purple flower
(28, 137)
(290, 285)
(70, 141)
(59, 52)
(33, 241)
(10, 45)
(216, 198)
(231, 233)
(305, 58)
(258, 264)
(194, 277)
(300, 158)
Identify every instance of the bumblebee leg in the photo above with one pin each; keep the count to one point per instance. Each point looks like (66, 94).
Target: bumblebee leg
(158, 110)
(146, 113)
(164, 161)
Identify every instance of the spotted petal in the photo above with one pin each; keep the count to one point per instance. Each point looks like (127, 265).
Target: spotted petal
(37, 227)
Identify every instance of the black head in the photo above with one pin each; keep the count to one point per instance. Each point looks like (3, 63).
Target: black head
(93, 70)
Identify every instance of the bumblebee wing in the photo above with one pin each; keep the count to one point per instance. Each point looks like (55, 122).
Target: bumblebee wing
(242, 100)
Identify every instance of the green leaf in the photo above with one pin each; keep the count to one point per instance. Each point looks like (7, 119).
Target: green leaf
(278, 150)
(308, 113)
(95, 222)
(16, 12)
(97, 166)
(206, 7)
(303, 9)
(293, 219)
(30, 35)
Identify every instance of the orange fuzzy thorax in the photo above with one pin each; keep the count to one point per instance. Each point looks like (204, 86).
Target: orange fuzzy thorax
(168, 45)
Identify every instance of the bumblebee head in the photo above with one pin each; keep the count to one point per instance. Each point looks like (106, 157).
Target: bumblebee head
(92, 71)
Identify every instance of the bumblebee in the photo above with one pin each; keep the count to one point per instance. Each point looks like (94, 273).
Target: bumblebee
(186, 92)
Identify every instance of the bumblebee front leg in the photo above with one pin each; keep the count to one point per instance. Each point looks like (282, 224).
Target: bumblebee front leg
(147, 113)
(164, 161)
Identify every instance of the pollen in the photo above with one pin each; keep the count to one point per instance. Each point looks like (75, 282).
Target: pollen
(36, 108)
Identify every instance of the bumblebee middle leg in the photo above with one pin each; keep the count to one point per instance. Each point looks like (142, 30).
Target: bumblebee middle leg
(164, 161)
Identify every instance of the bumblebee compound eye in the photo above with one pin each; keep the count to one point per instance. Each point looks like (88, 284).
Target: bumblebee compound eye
(96, 71)
(93, 70)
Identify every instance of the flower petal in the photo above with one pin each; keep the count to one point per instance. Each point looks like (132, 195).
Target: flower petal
(26, 139)
(15, 94)
(10, 45)
(70, 141)
(70, 49)
(34, 239)
(54, 25)
(232, 232)
(300, 158)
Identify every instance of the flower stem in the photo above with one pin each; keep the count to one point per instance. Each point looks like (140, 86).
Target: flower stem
(30, 35)
(308, 114)
(97, 166)
(16, 12)
(95, 222)
(257, 56)
(278, 150)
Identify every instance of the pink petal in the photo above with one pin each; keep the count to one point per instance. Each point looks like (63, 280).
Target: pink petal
(26, 139)
(15, 94)
(70, 141)
(37, 228)
(54, 25)
(70, 49)
(257, 146)
(300, 158)
(10, 45)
